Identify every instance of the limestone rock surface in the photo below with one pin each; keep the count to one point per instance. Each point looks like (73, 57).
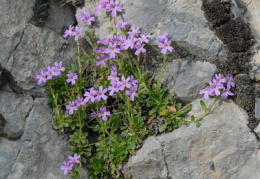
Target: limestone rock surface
(223, 147)
(40, 150)
(183, 20)
(187, 76)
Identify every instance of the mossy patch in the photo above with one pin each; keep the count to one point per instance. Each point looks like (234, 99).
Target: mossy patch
(41, 13)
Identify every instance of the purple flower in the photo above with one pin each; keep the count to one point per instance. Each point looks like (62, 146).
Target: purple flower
(74, 159)
(121, 24)
(69, 32)
(102, 4)
(132, 81)
(132, 93)
(144, 38)
(66, 167)
(93, 115)
(80, 101)
(81, 13)
(135, 32)
(206, 93)
(140, 48)
(72, 77)
(112, 6)
(101, 60)
(90, 95)
(101, 94)
(113, 77)
(78, 33)
(88, 18)
(219, 79)
(130, 43)
(100, 50)
(72, 107)
(113, 88)
(226, 93)
(59, 67)
(121, 42)
(165, 46)
(229, 82)
(103, 113)
(124, 83)
(215, 87)
(113, 68)
(112, 50)
(162, 38)
(51, 71)
(41, 77)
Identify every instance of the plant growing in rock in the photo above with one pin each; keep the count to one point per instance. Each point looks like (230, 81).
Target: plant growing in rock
(116, 98)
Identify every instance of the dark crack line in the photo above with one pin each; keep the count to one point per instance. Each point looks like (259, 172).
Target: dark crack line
(164, 158)
(12, 52)
(19, 151)
(61, 49)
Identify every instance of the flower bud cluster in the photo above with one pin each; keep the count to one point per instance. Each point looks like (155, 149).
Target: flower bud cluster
(219, 87)
(47, 74)
(76, 32)
(70, 164)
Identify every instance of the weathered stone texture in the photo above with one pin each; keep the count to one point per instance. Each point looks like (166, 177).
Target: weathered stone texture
(183, 20)
(187, 76)
(223, 147)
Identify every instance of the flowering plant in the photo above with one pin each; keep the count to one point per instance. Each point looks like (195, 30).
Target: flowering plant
(116, 97)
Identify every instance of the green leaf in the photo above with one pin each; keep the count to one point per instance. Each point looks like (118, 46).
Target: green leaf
(203, 105)
(178, 106)
(162, 127)
(132, 152)
(197, 124)
(182, 112)
(154, 110)
(192, 118)
(110, 29)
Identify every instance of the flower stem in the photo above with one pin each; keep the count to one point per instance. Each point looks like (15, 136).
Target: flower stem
(130, 115)
(78, 59)
(163, 69)
(106, 131)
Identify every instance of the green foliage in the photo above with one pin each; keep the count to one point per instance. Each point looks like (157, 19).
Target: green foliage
(126, 128)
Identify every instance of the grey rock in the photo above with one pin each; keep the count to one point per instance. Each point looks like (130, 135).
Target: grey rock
(60, 16)
(38, 48)
(257, 108)
(14, 17)
(153, 168)
(187, 76)
(41, 150)
(8, 153)
(257, 130)
(14, 109)
(183, 20)
(223, 147)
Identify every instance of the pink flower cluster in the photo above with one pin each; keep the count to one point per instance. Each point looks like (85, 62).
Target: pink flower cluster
(128, 83)
(109, 47)
(73, 105)
(219, 87)
(70, 164)
(164, 43)
(47, 74)
(76, 32)
(85, 17)
(109, 6)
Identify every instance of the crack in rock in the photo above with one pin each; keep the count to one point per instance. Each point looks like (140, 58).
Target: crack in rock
(18, 153)
(12, 52)
(164, 157)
